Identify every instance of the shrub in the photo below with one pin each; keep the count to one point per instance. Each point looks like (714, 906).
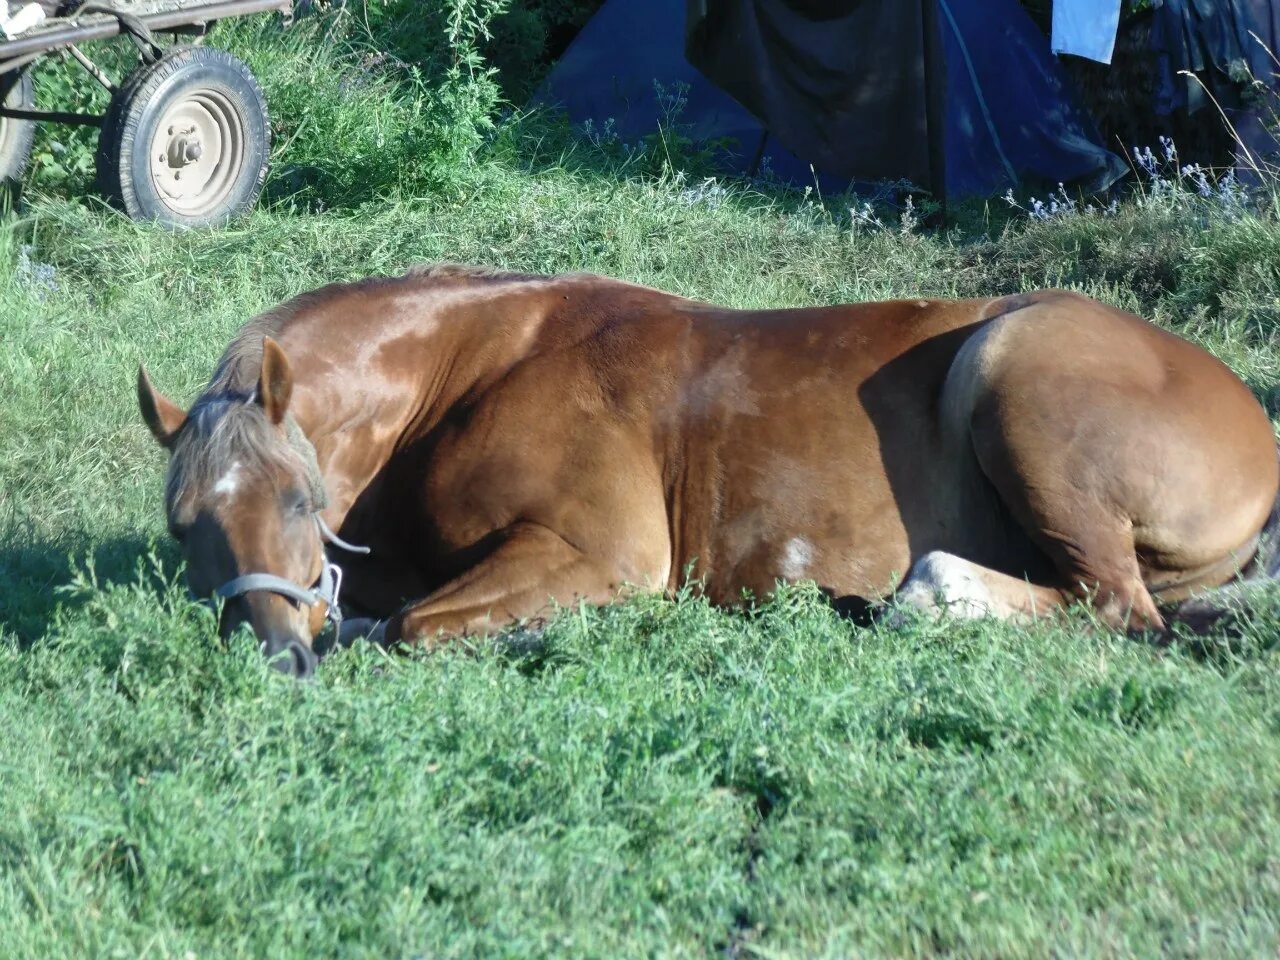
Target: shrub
(394, 101)
(530, 37)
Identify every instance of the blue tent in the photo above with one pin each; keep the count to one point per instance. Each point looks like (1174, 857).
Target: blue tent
(1008, 117)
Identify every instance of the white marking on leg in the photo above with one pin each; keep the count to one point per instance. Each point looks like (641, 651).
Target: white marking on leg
(943, 583)
(229, 482)
(796, 557)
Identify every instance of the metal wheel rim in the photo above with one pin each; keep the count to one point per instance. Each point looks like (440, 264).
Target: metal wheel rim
(12, 99)
(197, 152)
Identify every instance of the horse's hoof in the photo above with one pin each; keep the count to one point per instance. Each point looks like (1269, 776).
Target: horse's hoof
(901, 616)
(362, 629)
(524, 639)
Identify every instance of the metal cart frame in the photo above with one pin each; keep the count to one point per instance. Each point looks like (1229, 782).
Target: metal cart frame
(213, 97)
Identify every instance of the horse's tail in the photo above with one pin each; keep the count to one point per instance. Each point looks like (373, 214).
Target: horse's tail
(1257, 583)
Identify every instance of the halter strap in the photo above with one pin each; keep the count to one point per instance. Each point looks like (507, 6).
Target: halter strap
(267, 583)
(327, 589)
(330, 537)
(329, 586)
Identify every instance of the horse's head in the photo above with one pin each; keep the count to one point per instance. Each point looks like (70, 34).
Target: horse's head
(243, 498)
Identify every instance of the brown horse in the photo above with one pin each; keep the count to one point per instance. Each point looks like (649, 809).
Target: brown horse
(504, 442)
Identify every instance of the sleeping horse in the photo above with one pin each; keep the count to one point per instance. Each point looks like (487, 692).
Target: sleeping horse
(500, 444)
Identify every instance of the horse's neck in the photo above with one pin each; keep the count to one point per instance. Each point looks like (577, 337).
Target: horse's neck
(368, 385)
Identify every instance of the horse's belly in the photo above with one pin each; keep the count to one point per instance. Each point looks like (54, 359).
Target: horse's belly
(855, 523)
(832, 523)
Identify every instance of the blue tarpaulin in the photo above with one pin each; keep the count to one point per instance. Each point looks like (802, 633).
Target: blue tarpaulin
(1008, 115)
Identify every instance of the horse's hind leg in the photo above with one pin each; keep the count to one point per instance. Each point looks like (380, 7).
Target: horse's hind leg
(944, 583)
(1077, 524)
(529, 571)
(1071, 515)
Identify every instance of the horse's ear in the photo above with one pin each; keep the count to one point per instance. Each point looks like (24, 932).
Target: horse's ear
(275, 383)
(164, 418)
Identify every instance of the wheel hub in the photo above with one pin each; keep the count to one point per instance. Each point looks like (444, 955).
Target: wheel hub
(197, 152)
(184, 148)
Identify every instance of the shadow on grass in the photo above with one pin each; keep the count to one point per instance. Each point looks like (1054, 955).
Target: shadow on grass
(34, 575)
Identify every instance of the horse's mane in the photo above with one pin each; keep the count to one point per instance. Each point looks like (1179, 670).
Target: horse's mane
(224, 425)
(448, 270)
(238, 369)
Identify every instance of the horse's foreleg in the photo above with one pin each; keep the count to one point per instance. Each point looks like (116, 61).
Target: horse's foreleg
(532, 569)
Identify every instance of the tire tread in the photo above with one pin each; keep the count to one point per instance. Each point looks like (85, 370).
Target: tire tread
(130, 108)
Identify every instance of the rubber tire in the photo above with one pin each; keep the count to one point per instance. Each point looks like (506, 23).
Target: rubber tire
(17, 136)
(123, 157)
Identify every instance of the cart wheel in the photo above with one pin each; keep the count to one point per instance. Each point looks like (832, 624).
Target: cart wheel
(16, 136)
(186, 140)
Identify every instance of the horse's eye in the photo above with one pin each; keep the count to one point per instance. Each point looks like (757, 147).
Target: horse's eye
(296, 502)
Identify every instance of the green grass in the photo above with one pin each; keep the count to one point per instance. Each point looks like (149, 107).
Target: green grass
(660, 778)
(958, 789)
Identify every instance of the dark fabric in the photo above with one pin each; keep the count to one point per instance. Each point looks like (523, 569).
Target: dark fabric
(1011, 114)
(1007, 116)
(1212, 39)
(625, 75)
(840, 83)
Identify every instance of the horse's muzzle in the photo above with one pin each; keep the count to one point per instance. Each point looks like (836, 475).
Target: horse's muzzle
(291, 657)
(287, 653)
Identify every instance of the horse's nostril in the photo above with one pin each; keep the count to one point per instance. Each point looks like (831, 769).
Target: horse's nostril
(293, 658)
(304, 661)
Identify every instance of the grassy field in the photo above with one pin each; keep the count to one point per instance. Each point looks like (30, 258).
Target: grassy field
(657, 779)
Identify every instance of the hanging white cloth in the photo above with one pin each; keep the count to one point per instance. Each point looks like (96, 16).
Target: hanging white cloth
(18, 21)
(1086, 28)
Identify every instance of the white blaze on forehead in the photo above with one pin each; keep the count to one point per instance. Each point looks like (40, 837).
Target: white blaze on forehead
(796, 557)
(229, 482)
